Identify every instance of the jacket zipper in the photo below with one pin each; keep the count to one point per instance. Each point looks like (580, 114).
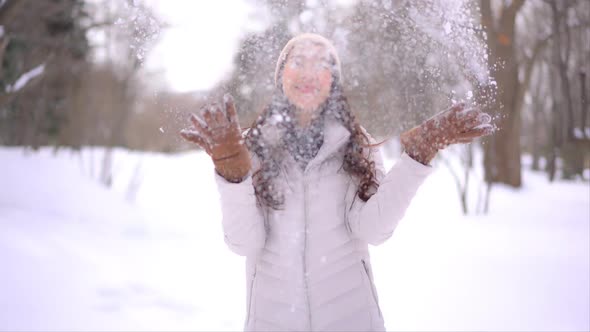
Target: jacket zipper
(305, 251)
(372, 287)
(249, 312)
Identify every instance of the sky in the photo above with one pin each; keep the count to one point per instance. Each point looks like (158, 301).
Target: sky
(197, 50)
(198, 47)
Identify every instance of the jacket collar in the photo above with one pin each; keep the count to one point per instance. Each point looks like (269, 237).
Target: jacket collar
(335, 136)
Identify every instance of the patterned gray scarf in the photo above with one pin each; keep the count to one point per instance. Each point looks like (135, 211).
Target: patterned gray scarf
(304, 143)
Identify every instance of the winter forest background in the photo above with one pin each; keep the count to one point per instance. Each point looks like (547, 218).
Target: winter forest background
(109, 221)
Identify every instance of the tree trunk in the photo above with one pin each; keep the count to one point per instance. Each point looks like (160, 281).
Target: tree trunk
(536, 142)
(502, 159)
(572, 158)
(555, 143)
(584, 104)
(502, 153)
(562, 64)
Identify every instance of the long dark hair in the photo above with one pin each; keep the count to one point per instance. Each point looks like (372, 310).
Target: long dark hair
(279, 112)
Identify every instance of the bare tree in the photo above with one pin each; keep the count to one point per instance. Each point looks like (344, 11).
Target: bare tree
(41, 63)
(502, 152)
(569, 21)
(461, 173)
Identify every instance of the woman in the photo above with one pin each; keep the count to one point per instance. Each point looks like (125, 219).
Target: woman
(304, 193)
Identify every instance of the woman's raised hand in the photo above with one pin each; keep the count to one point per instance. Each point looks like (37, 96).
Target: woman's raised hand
(218, 133)
(457, 124)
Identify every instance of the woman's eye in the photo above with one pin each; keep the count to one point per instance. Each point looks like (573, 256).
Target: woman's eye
(295, 64)
(323, 65)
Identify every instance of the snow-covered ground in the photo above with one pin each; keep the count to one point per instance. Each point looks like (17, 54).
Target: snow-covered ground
(77, 256)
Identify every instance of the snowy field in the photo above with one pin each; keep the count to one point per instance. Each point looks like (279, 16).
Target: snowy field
(77, 256)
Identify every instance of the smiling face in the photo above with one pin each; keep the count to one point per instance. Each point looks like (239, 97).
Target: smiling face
(307, 76)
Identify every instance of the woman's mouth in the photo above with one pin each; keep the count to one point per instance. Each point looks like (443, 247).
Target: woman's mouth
(306, 88)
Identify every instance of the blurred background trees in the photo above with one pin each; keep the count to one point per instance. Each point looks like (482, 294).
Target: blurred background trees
(72, 73)
(538, 55)
(43, 49)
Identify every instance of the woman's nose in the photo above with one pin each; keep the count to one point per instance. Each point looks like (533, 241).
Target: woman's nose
(307, 72)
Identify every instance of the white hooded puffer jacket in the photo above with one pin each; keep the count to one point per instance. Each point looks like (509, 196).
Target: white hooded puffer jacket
(307, 265)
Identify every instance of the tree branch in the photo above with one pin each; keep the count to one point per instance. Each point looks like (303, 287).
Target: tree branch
(513, 9)
(8, 95)
(523, 86)
(487, 18)
(508, 15)
(7, 10)
(3, 43)
(542, 43)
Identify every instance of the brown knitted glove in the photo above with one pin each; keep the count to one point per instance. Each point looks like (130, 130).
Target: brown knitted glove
(219, 134)
(453, 125)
